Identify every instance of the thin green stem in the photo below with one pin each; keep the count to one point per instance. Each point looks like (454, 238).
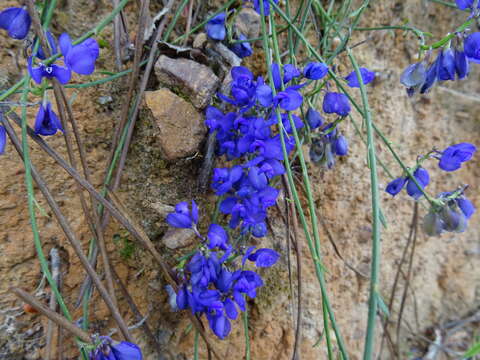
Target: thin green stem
(376, 244)
(49, 14)
(449, 37)
(247, 337)
(447, 3)
(13, 89)
(175, 19)
(195, 345)
(314, 249)
(355, 105)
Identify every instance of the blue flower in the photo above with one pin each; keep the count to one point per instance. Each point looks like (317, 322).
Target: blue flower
(367, 77)
(266, 6)
(53, 46)
(243, 49)
(3, 139)
(340, 146)
(336, 103)
(451, 216)
(461, 64)
(290, 72)
(216, 27)
(47, 122)
(431, 76)
(290, 99)
(217, 237)
(16, 21)
(109, 349)
(423, 179)
(62, 74)
(243, 88)
(433, 225)
(453, 219)
(446, 65)
(471, 46)
(79, 58)
(219, 324)
(395, 186)
(453, 156)
(264, 93)
(315, 70)
(465, 206)
(183, 217)
(314, 119)
(465, 4)
(413, 77)
(264, 257)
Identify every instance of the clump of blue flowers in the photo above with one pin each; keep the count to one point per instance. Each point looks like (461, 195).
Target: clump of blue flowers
(215, 281)
(79, 58)
(450, 210)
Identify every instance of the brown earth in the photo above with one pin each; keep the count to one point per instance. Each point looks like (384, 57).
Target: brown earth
(445, 282)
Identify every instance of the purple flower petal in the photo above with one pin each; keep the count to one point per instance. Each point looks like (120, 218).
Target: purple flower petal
(126, 351)
(81, 58)
(264, 257)
(3, 139)
(16, 21)
(65, 43)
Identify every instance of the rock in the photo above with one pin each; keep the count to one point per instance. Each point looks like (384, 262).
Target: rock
(181, 126)
(195, 80)
(200, 41)
(248, 23)
(177, 238)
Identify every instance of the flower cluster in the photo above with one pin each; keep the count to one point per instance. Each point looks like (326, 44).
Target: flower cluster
(78, 58)
(450, 64)
(451, 210)
(108, 349)
(450, 214)
(216, 30)
(211, 284)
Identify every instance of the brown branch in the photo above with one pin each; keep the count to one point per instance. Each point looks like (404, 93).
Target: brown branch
(55, 263)
(298, 330)
(70, 235)
(52, 315)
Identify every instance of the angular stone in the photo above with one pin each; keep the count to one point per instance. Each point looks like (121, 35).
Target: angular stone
(195, 80)
(181, 126)
(178, 238)
(248, 23)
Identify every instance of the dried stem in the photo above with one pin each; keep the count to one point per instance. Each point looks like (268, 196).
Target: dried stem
(298, 247)
(55, 263)
(70, 235)
(62, 101)
(52, 315)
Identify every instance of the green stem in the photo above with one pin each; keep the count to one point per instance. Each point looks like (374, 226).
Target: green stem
(315, 250)
(175, 19)
(49, 14)
(446, 3)
(31, 208)
(449, 37)
(247, 337)
(13, 89)
(195, 345)
(376, 245)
